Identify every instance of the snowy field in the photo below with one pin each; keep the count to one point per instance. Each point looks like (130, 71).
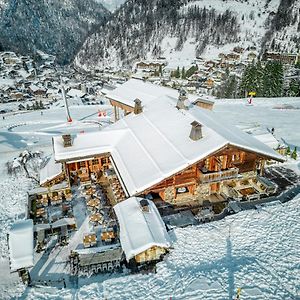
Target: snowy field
(257, 251)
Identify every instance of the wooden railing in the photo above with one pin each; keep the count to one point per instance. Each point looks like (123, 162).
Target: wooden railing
(219, 175)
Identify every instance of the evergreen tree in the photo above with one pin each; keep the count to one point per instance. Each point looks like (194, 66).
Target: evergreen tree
(294, 88)
(183, 76)
(191, 71)
(160, 71)
(288, 151)
(248, 82)
(277, 75)
(177, 73)
(294, 153)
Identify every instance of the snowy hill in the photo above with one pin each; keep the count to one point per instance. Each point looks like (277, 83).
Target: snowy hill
(111, 5)
(284, 32)
(181, 30)
(55, 27)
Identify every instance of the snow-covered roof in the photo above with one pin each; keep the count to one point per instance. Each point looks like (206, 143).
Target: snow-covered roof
(50, 170)
(21, 245)
(36, 88)
(268, 139)
(145, 91)
(75, 93)
(140, 230)
(153, 145)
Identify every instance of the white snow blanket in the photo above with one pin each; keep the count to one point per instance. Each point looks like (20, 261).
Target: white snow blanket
(21, 245)
(140, 230)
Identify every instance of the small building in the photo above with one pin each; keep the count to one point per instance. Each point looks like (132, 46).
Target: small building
(20, 243)
(210, 82)
(123, 97)
(143, 234)
(238, 49)
(285, 58)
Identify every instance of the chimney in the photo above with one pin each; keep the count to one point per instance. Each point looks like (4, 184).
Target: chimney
(181, 99)
(196, 131)
(144, 205)
(137, 106)
(67, 139)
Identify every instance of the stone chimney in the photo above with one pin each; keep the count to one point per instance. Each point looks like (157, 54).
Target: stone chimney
(144, 205)
(138, 106)
(67, 139)
(181, 99)
(196, 131)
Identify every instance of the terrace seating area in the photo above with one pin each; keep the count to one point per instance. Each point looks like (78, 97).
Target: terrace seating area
(249, 188)
(116, 192)
(101, 221)
(49, 209)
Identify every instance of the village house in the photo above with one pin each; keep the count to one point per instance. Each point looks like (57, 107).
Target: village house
(151, 241)
(285, 58)
(123, 98)
(201, 156)
(238, 49)
(151, 66)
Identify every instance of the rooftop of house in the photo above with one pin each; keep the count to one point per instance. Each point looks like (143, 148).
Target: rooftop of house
(140, 229)
(21, 245)
(145, 91)
(50, 170)
(155, 144)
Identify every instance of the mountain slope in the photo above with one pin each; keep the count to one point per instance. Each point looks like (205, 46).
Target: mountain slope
(53, 26)
(111, 5)
(179, 30)
(284, 32)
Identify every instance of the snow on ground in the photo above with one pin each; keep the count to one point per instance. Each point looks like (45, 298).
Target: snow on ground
(18, 131)
(266, 113)
(256, 250)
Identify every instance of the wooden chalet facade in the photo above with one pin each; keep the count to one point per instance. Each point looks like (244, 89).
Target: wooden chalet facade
(210, 175)
(83, 168)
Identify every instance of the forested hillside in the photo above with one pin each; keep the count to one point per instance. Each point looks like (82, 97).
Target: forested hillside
(53, 26)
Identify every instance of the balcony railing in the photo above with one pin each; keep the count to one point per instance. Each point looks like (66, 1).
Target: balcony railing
(219, 175)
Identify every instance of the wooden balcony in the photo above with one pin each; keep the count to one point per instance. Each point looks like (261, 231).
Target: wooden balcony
(219, 175)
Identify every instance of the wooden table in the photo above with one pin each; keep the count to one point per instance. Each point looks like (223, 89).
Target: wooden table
(93, 203)
(107, 235)
(40, 212)
(89, 240)
(96, 218)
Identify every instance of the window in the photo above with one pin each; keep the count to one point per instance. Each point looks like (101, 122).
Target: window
(95, 162)
(82, 164)
(104, 160)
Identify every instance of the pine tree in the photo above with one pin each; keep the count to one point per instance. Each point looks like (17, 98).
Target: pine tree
(177, 73)
(288, 151)
(183, 75)
(191, 71)
(248, 82)
(294, 153)
(41, 105)
(294, 88)
(160, 71)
